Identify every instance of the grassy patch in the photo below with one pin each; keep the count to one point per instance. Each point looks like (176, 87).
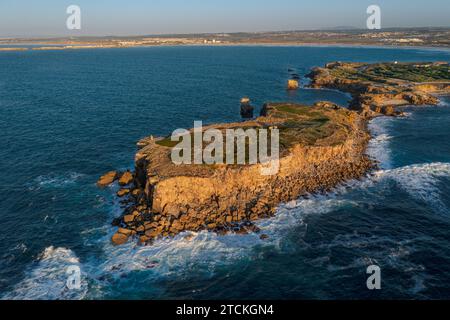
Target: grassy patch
(297, 124)
(167, 142)
(410, 72)
(420, 72)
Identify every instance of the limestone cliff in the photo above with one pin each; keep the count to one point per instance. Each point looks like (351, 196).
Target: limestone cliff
(322, 146)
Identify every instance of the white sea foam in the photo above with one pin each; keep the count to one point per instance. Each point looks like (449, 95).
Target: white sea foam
(205, 252)
(420, 181)
(444, 103)
(55, 181)
(378, 148)
(47, 278)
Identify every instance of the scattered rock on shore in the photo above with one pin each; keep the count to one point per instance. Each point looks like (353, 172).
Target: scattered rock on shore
(388, 111)
(126, 178)
(246, 108)
(119, 239)
(107, 179)
(292, 84)
(123, 192)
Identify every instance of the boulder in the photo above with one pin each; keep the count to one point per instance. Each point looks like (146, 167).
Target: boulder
(126, 178)
(143, 239)
(177, 226)
(136, 192)
(152, 233)
(246, 108)
(292, 84)
(376, 108)
(119, 239)
(212, 226)
(172, 210)
(327, 104)
(366, 111)
(123, 192)
(420, 98)
(124, 231)
(128, 218)
(107, 179)
(135, 213)
(388, 111)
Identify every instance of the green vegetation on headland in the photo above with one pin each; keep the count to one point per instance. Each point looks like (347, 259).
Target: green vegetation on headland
(382, 87)
(297, 124)
(382, 72)
(422, 72)
(308, 125)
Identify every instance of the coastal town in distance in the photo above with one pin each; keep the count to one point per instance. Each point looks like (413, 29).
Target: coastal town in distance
(418, 37)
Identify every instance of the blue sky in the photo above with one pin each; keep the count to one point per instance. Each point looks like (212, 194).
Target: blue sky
(139, 17)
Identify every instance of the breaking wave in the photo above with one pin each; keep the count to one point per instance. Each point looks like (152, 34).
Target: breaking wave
(55, 181)
(378, 148)
(205, 253)
(420, 181)
(47, 278)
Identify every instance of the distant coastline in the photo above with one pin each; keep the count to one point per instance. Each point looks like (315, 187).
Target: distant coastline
(58, 47)
(434, 38)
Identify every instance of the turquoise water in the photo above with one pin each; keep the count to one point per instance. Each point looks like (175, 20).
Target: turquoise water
(67, 117)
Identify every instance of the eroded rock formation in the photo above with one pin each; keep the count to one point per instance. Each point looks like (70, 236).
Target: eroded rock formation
(324, 146)
(292, 84)
(246, 108)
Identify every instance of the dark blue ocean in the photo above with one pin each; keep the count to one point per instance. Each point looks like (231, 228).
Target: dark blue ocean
(66, 117)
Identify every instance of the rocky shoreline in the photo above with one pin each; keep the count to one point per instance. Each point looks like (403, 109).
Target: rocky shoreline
(324, 145)
(163, 200)
(378, 89)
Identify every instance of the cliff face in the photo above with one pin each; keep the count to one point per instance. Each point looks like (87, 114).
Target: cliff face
(381, 87)
(227, 198)
(233, 195)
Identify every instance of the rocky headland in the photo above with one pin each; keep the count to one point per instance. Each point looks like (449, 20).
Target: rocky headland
(381, 88)
(321, 146)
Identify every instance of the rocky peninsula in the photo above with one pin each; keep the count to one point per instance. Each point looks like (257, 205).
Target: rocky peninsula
(321, 146)
(381, 88)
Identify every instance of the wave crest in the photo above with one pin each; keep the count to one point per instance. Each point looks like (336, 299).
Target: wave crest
(47, 279)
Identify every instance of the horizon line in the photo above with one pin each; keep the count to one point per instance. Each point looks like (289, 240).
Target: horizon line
(333, 29)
